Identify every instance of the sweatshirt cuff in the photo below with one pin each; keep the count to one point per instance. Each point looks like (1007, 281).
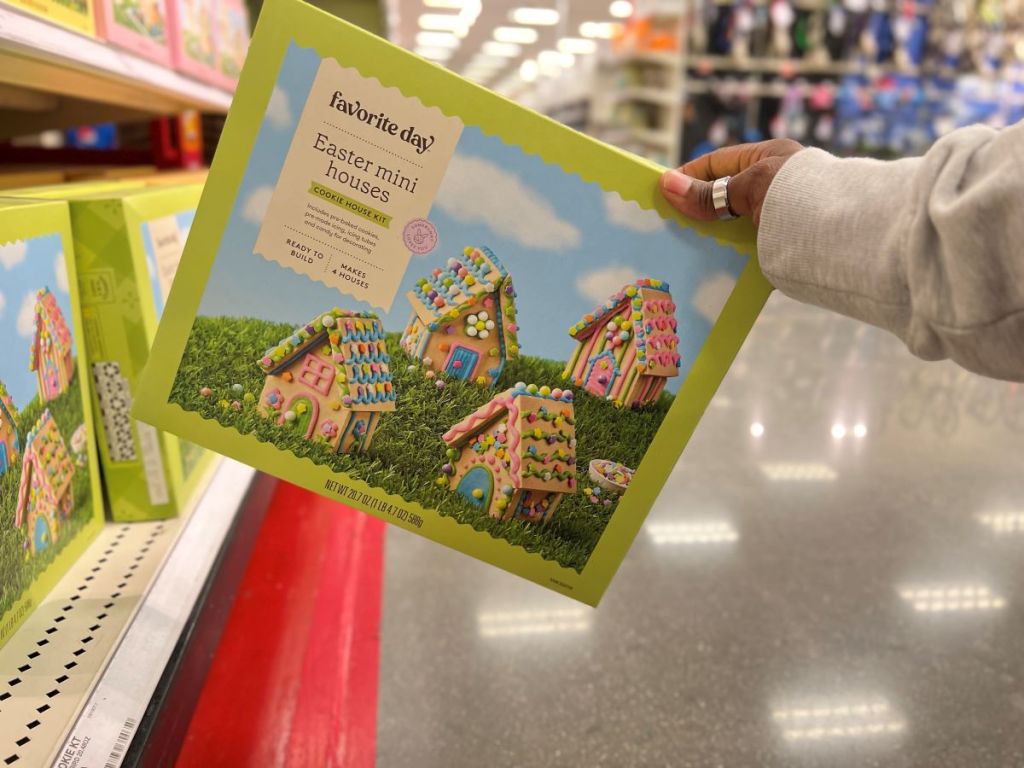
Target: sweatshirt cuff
(830, 234)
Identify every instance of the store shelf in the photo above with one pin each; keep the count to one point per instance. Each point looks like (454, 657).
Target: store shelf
(706, 65)
(51, 77)
(647, 95)
(99, 642)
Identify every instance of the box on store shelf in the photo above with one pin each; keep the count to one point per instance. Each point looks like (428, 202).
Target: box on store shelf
(50, 500)
(77, 15)
(413, 296)
(139, 26)
(232, 36)
(127, 247)
(193, 38)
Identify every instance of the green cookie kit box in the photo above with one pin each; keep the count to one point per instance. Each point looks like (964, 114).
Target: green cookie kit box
(50, 502)
(127, 246)
(413, 296)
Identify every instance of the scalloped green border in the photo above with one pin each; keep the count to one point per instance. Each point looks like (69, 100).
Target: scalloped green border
(281, 22)
(22, 219)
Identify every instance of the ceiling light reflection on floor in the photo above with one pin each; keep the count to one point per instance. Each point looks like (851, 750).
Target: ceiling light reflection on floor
(838, 720)
(800, 471)
(1003, 522)
(756, 429)
(712, 532)
(961, 598)
(533, 622)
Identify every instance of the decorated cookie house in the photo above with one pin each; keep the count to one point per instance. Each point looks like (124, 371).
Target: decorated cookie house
(627, 348)
(515, 457)
(9, 446)
(45, 493)
(463, 318)
(51, 348)
(330, 380)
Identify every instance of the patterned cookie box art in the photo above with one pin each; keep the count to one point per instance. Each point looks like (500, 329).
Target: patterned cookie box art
(410, 295)
(49, 479)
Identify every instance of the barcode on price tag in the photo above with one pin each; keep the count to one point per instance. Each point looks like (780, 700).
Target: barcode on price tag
(124, 738)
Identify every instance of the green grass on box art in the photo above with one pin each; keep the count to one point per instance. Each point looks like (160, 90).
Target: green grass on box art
(407, 451)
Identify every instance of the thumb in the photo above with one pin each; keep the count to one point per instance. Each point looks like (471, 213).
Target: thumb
(690, 196)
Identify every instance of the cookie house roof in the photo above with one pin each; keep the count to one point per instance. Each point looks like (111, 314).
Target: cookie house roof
(540, 438)
(45, 452)
(51, 328)
(652, 321)
(457, 286)
(358, 352)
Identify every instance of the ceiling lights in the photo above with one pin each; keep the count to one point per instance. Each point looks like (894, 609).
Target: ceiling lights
(1003, 522)
(521, 35)
(710, 532)
(454, 5)
(621, 9)
(533, 622)
(437, 40)
(600, 30)
(507, 50)
(576, 45)
(434, 54)
(529, 70)
(443, 22)
(537, 17)
(952, 598)
(838, 719)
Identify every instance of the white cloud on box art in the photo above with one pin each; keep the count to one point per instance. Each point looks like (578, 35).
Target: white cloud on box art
(629, 214)
(257, 203)
(27, 315)
(712, 294)
(476, 191)
(60, 270)
(3, 303)
(279, 110)
(12, 254)
(599, 284)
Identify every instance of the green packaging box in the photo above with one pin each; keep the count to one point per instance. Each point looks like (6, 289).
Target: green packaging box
(127, 246)
(413, 296)
(50, 500)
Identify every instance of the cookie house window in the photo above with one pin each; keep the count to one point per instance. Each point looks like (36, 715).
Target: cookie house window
(316, 374)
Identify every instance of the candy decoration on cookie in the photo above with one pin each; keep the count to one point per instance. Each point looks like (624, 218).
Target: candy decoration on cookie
(515, 457)
(627, 348)
(45, 492)
(330, 380)
(463, 321)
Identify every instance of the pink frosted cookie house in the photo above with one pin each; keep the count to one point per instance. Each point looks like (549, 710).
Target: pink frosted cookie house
(330, 380)
(515, 457)
(45, 492)
(464, 318)
(628, 348)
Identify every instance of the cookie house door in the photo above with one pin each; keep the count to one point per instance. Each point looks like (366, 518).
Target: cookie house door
(477, 479)
(602, 374)
(462, 363)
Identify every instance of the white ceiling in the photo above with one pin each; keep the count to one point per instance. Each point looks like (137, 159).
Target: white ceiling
(404, 25)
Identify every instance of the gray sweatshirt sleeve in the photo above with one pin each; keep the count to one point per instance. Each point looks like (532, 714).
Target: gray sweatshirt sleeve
(930, 248)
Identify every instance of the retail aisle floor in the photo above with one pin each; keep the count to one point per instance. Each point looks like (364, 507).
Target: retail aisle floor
(832, 577)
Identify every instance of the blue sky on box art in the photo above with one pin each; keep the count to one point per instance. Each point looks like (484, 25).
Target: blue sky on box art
(568, 244)
(25, 267)
(184, 220)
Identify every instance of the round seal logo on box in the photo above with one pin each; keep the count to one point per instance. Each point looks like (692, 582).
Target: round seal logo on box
(420, 236)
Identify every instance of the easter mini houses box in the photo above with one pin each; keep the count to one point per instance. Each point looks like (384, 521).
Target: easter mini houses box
(127, 243)
(50, 500)
(354, 175)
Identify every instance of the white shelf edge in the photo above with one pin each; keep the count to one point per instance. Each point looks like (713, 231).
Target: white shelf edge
(38, 39)
(123, 690)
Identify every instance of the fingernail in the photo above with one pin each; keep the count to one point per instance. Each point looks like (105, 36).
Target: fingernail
(677, 183)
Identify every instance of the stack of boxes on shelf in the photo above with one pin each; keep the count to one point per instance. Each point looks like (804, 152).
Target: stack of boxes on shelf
(86, 269)
(205, 39)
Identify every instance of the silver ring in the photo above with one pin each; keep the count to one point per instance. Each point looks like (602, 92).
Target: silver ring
(720, 199)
